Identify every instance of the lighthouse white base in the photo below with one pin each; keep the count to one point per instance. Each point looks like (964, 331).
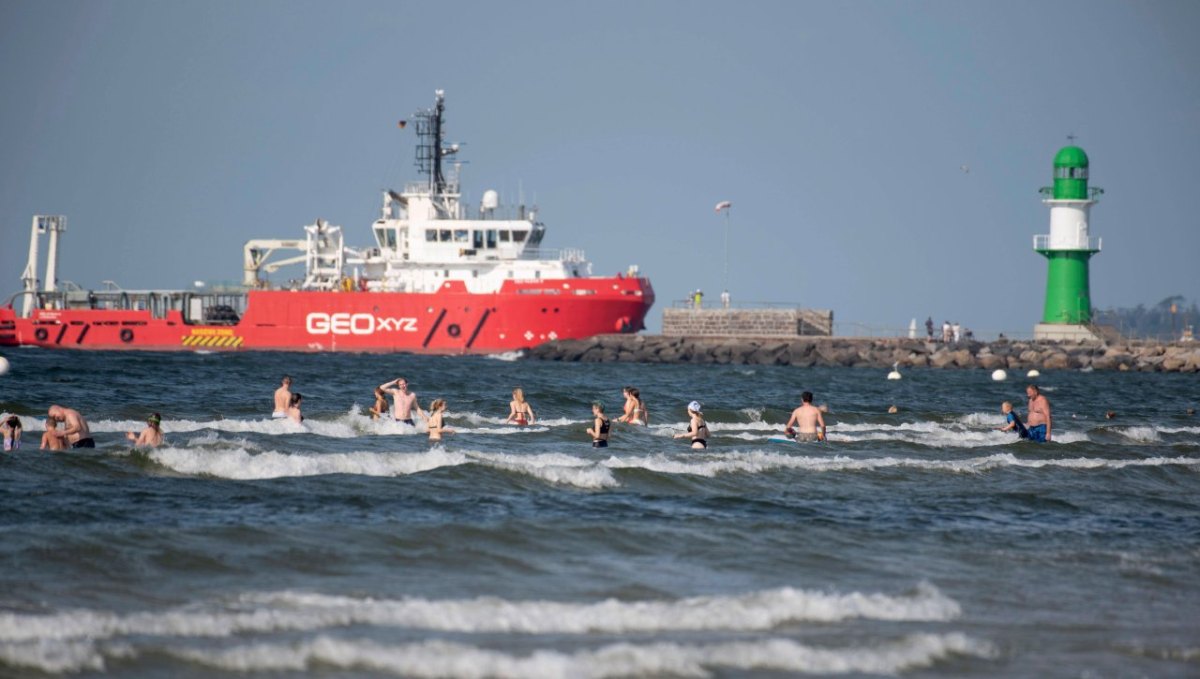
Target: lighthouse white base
(1064, 333)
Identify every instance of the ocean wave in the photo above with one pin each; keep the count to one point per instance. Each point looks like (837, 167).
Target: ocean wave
(437, 658)
(298, 611)
(450, 659)
(712, 464)
(242, 465)
(506, 355)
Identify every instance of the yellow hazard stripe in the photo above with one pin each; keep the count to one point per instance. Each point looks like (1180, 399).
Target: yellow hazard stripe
(212, 341)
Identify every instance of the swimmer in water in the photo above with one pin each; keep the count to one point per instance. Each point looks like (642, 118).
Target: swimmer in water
(283, 397)
(520, 412)
(697, 427)
(381, 404)
(1013, 421)
(434, 421)
(635, 409)
(809, 418)
(151, 436)
(600, 427)
(404, 402)
(293, 411)
(11, 429)
(75, 433)
(51, 438)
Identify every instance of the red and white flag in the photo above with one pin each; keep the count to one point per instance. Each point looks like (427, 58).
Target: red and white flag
(724, 205)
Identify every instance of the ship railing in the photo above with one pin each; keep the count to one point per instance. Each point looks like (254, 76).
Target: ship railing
(1042, 242)
(215, 308)
(569, 255)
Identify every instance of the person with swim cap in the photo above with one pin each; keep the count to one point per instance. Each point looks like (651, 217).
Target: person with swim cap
(810, 420)
(697, 427)
(76, 433)
(283, 397)
(151, 436)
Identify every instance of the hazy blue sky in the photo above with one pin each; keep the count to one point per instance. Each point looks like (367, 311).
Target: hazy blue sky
(170, 133)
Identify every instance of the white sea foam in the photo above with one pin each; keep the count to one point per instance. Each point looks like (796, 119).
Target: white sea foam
(242, 465)
(291, 611)
(753, 462)
(451, 659)
(506, 355)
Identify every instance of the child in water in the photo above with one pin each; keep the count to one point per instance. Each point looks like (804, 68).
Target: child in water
(151, 436)
(1013, 421)
(11, 429)
(520, 412)
(51, 439)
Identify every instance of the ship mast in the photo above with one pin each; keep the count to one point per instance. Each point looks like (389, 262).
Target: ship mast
(430, 151)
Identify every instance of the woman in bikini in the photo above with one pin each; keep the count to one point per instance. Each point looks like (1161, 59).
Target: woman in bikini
(434, 422)
(381, 404)
(635, 409)
(599, 429)
(293, 411)
(697, 427)
(520, 412)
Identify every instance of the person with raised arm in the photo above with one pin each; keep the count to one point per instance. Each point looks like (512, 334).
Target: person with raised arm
(404, 402)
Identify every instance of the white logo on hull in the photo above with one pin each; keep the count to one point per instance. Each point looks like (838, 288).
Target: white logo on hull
(318, 323)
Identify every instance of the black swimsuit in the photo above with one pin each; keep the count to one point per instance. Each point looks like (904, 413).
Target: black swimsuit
(698, 439)
(602, 443)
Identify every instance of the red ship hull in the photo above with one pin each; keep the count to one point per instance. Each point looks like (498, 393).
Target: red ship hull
(450, 321)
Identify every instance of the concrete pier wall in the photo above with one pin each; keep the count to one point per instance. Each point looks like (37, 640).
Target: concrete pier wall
(681, 322)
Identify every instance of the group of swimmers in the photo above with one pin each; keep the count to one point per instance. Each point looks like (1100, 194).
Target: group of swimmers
(806, 423)
(75, 432)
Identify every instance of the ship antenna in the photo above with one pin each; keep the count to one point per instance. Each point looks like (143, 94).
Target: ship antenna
(429, 144)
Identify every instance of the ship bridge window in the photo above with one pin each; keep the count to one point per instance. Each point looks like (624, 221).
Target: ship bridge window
(491, 238)
(460, 236)
(389, 239)
(478, 240)
(431, 235)
(444, 235)
(504, 235)
(519, 236)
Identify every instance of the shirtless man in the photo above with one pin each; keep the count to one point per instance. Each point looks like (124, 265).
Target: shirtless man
(403, 401)
(283, 398)
(1038, 420)
(151, 436)
(808, 417)
(75, 432)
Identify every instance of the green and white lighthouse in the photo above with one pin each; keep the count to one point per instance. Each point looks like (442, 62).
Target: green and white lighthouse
(1068, 247)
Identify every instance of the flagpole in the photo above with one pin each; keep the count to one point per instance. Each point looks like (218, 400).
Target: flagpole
(727, 211)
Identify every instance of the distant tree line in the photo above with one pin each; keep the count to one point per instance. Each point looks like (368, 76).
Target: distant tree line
(1156, 322)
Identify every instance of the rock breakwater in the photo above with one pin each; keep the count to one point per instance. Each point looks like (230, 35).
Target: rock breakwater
(876, 353)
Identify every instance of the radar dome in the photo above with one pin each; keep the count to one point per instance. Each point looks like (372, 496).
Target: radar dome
(491, 200)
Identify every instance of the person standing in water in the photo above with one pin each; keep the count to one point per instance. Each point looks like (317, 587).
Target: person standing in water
(11, 429)
(404, 402)
(635, 409)
(283, 397)
(151, 436)
(520, 412)
(1038, 420)
(381, 404)
(600, 427)
(76, 433)
(293, 411)
(809, 418)
(697, 427)
(435, 422)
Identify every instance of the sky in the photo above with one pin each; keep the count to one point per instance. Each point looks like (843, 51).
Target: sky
(170, 133)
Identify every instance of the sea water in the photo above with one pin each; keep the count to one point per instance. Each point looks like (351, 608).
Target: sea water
(923, 543)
